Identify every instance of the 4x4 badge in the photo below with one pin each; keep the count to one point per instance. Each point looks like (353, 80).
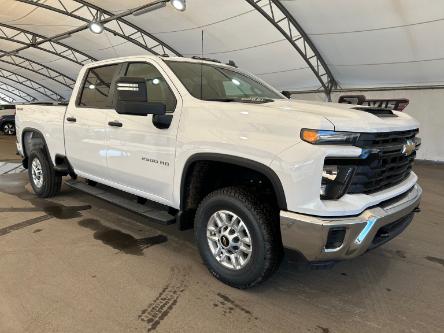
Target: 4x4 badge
(408, 148)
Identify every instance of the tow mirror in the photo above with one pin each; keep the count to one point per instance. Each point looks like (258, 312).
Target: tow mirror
(132, 98)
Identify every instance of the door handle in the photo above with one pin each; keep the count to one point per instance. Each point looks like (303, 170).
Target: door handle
(115, 124)
(71, 119)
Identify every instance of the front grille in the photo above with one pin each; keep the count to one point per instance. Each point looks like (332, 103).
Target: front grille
(386, 164)
(382, 164)
(376, 140)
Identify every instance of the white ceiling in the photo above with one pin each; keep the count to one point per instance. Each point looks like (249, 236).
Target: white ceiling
(365, 43)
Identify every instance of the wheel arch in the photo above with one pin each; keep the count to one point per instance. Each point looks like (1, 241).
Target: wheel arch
(32, 138)
(242, 162)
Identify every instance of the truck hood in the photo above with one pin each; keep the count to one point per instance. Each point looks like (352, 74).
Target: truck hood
(275, 126)
(344, 118)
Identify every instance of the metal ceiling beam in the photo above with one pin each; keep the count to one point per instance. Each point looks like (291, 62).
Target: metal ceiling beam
(52, 44)
(282, 20)
(10, 90)
(6, 98)
(32, 40)
(33, 85)
(39, 68)
(116, 24)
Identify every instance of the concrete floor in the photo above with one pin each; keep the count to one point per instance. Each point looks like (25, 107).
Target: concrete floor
(77, 264)
(8, 149)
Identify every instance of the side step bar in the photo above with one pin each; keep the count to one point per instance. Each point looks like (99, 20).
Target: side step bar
(150, 210)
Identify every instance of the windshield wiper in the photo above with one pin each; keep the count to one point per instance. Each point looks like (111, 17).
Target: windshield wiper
(256, 100)
(222, 99)
(252, 100)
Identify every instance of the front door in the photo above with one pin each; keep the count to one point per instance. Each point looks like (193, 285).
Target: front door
(86, 122)
(140, 154)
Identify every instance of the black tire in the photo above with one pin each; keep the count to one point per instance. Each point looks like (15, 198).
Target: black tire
(8, 128)
(263, 227)
(51, 182)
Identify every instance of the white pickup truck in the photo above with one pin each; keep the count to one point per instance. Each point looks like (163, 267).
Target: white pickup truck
(251, 170)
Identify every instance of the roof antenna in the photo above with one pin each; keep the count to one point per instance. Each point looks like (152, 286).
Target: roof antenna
(201, 65)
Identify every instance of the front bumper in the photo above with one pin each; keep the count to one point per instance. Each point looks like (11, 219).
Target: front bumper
(309, 234)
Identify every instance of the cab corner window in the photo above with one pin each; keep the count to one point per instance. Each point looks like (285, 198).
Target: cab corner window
(157, 88)
(97, 86)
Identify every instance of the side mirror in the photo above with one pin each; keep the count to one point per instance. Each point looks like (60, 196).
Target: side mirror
(286, 93)
(132, 98)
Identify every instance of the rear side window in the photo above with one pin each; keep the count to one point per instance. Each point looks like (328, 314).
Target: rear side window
(97, 86)
(157, 88)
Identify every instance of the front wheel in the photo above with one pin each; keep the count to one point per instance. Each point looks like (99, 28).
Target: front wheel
(237, 237)
(44, 181)
(8, 128)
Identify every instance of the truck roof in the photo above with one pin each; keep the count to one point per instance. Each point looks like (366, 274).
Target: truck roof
(156, 57)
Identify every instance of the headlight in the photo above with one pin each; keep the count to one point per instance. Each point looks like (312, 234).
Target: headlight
(335, 181)
(321, 137)
(417, 142)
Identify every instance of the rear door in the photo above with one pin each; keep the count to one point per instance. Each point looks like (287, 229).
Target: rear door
(141, 155)
(86, 122)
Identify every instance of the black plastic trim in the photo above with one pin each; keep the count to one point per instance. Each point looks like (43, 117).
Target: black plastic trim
(239, 161)
(44, 145)
(64, 167)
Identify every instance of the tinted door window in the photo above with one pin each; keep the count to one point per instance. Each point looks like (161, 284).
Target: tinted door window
(157, 88)
(97, 87)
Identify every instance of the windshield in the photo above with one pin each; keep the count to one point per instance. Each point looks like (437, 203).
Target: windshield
(217, 83)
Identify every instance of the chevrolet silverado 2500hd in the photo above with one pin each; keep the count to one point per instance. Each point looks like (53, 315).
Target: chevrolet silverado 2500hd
(254, 171)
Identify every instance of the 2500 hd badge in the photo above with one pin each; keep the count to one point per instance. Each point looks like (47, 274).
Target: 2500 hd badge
(152, 160)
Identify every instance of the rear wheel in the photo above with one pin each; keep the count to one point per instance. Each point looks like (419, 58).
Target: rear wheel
(237, 237)
(44, 181)
(8, 128)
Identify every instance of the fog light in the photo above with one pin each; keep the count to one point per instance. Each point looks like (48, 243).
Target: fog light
(335, 181)
(335, 238)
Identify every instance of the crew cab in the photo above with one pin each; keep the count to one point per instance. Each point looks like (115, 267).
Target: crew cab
(251, 170)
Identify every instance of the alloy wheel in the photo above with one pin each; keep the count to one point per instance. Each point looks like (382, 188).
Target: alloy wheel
(37, 173)
(9, 129)
(229, 240)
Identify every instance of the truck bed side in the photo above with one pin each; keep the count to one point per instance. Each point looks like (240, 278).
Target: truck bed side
(48, 120)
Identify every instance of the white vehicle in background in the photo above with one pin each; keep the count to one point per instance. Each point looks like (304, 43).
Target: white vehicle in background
(221, 150)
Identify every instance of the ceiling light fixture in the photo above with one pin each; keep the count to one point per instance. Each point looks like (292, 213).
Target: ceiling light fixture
(96, 26)
(180, 5)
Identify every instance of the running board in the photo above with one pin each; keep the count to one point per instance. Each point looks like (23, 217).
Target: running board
(150, 210)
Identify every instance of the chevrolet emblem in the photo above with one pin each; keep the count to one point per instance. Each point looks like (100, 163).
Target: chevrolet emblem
(408, 148)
